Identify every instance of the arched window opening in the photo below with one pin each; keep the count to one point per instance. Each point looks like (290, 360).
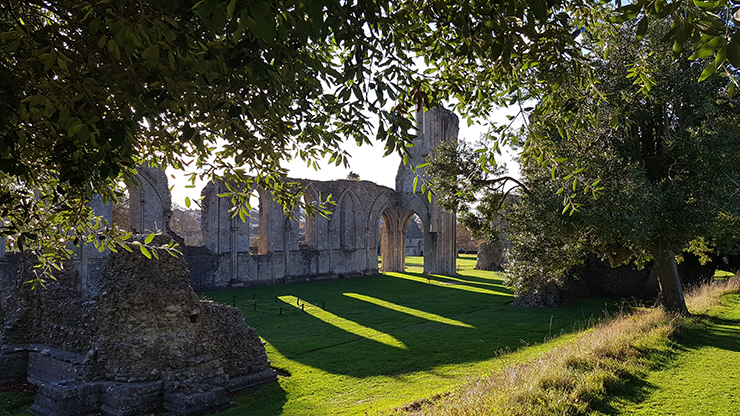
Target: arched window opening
(413, 241)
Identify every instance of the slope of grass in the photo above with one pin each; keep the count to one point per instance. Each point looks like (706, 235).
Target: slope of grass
(382, 341)
(703, 379)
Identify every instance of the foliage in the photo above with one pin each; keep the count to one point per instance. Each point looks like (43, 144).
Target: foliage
(89, 89)
(462, 185)
(656, 172)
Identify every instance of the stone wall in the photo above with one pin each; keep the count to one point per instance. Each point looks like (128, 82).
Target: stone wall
(150, 207)
(145, 341)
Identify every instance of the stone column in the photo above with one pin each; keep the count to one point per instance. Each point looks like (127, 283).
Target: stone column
(2, 248)
(392, 249)
(440, 251)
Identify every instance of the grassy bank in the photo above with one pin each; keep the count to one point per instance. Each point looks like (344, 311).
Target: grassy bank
(703, 379)
(646, 362)
(382, 341)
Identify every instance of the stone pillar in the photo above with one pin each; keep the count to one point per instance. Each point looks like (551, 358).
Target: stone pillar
(149, 201)
(440, 248)
(392, 248)
(272, 225)
(433, 126)
(89, 261)
(2, 248)
(222, 232)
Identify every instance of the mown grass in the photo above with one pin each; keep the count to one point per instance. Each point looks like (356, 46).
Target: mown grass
(703, 379)
(385, 340)
(645, 363)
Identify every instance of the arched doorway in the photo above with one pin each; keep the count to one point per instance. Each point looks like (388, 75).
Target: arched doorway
(413, 242)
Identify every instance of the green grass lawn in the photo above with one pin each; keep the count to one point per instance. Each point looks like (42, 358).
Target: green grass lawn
(703, 379)
(385, 340)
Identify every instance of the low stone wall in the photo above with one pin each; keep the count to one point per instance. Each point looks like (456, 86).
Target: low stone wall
(145, 341)
(307, 264)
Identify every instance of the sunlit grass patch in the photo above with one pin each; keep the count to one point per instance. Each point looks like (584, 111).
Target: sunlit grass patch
(342, 323)
(410, 311)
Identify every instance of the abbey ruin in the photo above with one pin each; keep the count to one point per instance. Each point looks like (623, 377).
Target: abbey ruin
(124, 334)
(367, 220)
(344, 244)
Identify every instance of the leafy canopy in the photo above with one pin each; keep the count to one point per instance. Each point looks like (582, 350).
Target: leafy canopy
(89, 89)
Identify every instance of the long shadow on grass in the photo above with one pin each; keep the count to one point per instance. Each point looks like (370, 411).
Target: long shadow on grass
(344, 347)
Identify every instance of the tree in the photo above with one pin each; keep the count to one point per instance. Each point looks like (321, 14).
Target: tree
(89, 89)
(465, 241)
(657, 173)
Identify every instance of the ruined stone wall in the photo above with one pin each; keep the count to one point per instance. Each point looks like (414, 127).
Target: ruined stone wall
(344, 244)
(145, 334)
(150, 206)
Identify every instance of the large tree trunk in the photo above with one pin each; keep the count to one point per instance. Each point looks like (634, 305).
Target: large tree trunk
(666, 270)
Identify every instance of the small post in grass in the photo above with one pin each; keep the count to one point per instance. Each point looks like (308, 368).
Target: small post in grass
(233, 301)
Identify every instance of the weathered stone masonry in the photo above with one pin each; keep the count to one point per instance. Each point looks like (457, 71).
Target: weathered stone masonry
(345, 244)
(144, 342)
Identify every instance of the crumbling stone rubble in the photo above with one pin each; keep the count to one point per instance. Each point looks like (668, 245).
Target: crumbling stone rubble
(144, 342)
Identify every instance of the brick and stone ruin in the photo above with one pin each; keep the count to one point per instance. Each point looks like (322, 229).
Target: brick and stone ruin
(121, 334)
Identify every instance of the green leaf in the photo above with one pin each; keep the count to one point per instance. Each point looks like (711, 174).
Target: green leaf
(145, 252)
(614, 122)
(149, 238)
(721, 55)
(733, 53)
(230, 9)
(187, 202)
(416, 182)
(151, 55)
(708, 71)
(642, 27)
